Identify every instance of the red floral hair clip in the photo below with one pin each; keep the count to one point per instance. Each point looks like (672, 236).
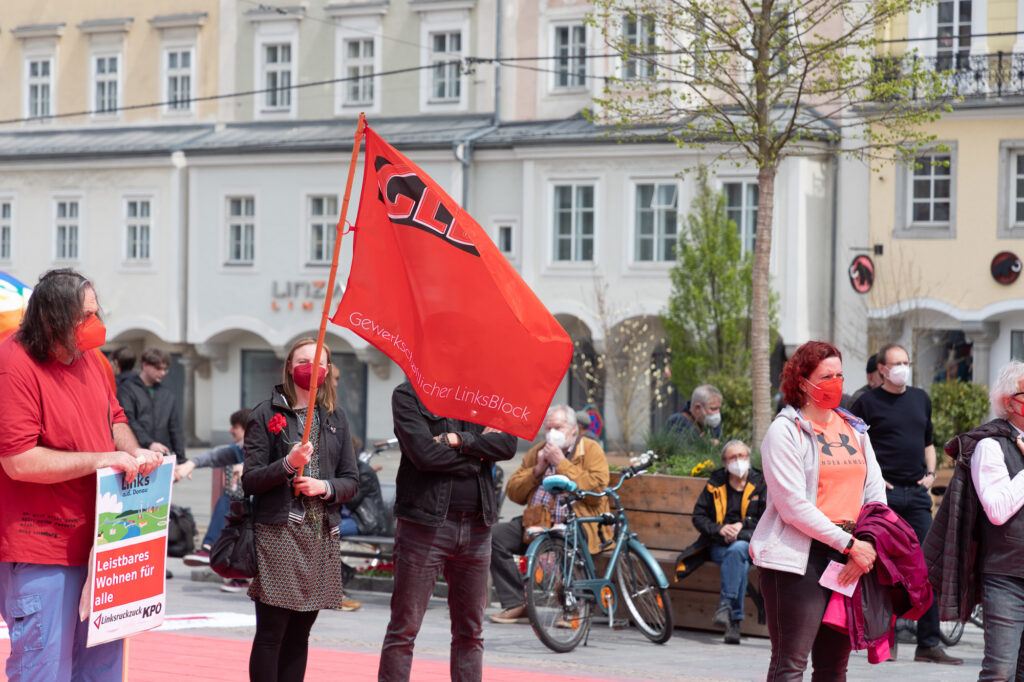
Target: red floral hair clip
(276, 423)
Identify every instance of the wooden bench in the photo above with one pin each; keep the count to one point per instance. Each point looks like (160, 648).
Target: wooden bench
(659, 510)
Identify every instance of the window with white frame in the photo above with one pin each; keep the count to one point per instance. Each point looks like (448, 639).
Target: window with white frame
(638, 36)
(931, 190)
(106, 77)
(323, 219)
(656, 223)
(137, 230)
(741, 208)
(570, 56)
(446, 76)
(178, 78)
(359, 68)
(6, 228)
(66, 229)
(39, 84)
(953, 31)
(241, 230)
(277, 75)
(506, 238)
(925, 195)
(573, 223)
(1017, 189)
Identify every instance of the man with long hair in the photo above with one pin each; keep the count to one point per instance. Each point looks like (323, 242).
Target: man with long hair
(62, 422)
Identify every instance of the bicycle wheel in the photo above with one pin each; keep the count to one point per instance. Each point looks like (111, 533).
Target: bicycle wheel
(950, 632)
(648, 604)
(560, 618)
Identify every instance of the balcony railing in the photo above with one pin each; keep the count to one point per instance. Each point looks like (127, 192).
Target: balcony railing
(972, 77)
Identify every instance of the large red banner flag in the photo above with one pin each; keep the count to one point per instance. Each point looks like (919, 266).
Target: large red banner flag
(430, 290)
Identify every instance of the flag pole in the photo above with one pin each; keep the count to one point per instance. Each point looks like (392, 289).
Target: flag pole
(340, 231)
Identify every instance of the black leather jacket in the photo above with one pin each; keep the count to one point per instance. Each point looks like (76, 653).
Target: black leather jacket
(424, 485)
(264, 474)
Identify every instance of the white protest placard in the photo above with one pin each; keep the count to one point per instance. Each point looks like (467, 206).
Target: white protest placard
(126, 578)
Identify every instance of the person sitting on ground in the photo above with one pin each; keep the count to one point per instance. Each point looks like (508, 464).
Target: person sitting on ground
(563, 451)
(230, 457)
(701, 417)
(726, 514)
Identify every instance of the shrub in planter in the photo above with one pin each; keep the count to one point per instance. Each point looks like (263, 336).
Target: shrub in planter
(957, 406)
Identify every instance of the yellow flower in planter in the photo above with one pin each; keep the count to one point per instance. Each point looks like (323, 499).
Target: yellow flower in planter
(703, 468)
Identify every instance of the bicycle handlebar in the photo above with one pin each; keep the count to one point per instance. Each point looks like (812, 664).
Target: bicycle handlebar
(639, 464)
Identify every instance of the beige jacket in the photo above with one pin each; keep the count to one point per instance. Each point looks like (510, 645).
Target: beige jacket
(587, 467)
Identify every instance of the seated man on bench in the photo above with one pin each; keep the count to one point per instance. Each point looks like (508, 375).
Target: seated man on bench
(563, 451)
(726, 513)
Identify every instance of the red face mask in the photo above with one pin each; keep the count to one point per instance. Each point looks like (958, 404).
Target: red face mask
(303, 376)
(827, 394)
(90, 334)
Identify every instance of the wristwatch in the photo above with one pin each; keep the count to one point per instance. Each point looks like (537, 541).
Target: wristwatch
(447, 442)
(849, 546)
(930, 473)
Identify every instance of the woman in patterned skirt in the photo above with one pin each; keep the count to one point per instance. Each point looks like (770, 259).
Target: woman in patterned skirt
(298, 490)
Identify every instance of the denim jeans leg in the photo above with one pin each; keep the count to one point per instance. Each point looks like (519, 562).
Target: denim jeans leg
(218, 519)
(466, 571)
(419, 554)
(40, 605)
(914, 504)
(506, 540)
(734, 560)
(1002, 598)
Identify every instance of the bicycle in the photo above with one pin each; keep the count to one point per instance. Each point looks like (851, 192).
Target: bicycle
(951, 631)
(562, 584)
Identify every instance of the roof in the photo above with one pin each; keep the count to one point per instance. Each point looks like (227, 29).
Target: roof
(415, 132)
(420, 132)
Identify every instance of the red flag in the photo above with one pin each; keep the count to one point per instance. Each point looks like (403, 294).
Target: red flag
(430, 290)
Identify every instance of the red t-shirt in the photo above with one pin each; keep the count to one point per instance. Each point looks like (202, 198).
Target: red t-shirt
(63, 407)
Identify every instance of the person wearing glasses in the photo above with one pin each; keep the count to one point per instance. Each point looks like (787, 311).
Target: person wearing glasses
(726, 514)
(900, 420)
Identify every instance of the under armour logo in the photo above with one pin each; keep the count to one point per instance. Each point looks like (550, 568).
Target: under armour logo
(844, 441)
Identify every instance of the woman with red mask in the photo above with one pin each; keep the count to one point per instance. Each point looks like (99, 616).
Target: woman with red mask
(297, 493)
(820, 469)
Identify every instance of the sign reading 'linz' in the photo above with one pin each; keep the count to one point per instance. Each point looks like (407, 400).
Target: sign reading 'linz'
(410, 201)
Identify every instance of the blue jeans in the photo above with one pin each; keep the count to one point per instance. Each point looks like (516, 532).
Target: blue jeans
(914, 504)
(1002, 598)
(39, 603)
(734, 560)
(348, 526)
(461, 547)
(218, 519)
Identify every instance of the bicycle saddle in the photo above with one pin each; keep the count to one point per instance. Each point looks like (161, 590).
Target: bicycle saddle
(557, 484)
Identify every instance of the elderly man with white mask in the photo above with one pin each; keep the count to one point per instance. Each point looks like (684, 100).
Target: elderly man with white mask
(726, 514)
(563, 451)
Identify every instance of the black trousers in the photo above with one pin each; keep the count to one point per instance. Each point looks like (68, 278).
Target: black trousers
(795, 605)
(281, 644)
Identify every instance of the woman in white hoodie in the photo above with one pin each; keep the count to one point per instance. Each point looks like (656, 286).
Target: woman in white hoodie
(820, 469)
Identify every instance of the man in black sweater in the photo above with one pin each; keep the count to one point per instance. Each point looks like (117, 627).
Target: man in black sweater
(900, 421)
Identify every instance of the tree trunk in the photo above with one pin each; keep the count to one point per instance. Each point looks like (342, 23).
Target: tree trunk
(760, 331)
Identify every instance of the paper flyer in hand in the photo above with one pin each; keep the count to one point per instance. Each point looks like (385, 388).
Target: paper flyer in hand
(126, 578)
(830, 579)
